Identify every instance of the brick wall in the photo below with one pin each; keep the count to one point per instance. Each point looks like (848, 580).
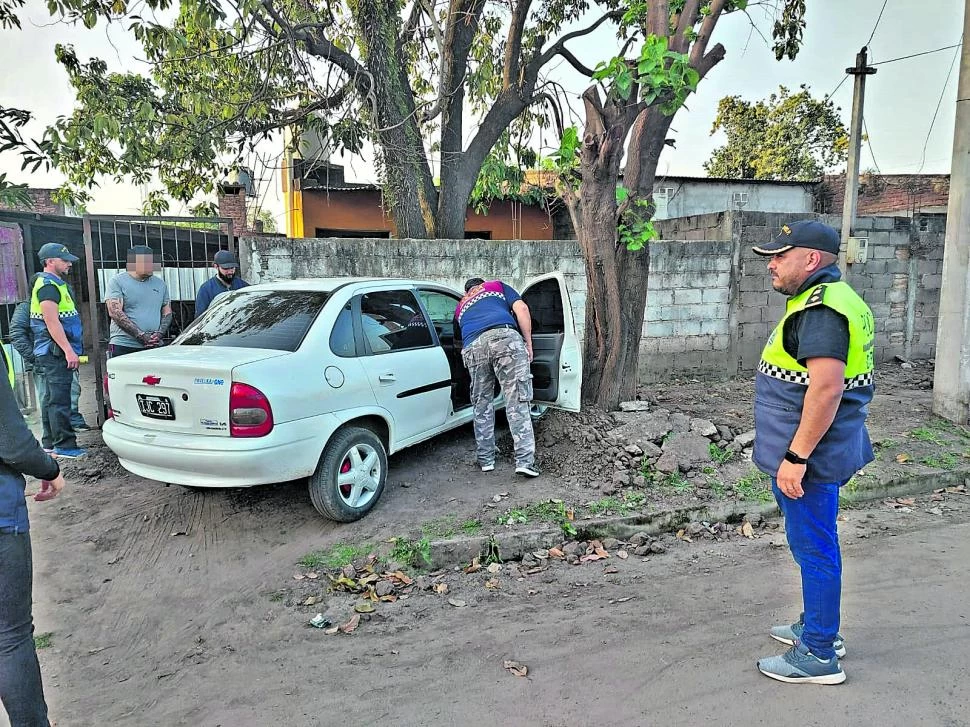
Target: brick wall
(710, 305)
(887, 194)
(41, 203)
(232, 204)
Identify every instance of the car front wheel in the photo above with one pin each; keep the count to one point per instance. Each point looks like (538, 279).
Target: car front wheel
(350, 476)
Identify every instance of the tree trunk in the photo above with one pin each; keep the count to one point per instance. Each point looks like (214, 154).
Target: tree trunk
(617, 278)
(409, 189)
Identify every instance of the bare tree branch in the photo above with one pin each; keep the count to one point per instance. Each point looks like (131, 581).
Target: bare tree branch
(699, 48)
(575, 62)
(541, 59)
(685, 21)
(513, 46)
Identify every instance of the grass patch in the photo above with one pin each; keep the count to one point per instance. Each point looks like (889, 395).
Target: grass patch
(945, 461)
(338, 556)
(412, 553)
(676, 482)
(755, 486)
(550, 511)
(449, 527)
(943, 425)
(925, 434)
(719, 455)
(718, 488)
(277, 596)
(43, 641)
(617, 505)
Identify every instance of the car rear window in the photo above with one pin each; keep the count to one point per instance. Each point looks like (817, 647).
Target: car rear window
(275, 319)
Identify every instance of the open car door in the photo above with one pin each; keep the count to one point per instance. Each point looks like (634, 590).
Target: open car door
(557, 365)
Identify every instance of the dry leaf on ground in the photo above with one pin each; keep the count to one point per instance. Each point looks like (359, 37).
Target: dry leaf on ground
(440, 588)
(514, 667)
(457, 602)
(746, 530)
(492, 583)
(352, 624)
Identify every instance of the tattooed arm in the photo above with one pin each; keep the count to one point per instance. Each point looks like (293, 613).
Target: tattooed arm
(166, 319)
(156, 338)
(116, 311)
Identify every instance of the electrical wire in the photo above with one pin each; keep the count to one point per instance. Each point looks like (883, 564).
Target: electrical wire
(832, 93)
(917, 55)
(937, 112)
(865, 128)
(876, 26)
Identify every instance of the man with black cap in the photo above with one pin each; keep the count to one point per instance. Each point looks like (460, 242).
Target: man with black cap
(57, 337)
(495, 327)
(224, 280)
(812, 394)
(138, 305)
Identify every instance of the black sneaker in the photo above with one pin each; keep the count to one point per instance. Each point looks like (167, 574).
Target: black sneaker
(529, 470)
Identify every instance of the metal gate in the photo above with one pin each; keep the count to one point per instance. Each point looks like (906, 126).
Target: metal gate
(183, 248)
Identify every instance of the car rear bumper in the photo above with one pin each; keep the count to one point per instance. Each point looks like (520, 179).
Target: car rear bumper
(291, 451)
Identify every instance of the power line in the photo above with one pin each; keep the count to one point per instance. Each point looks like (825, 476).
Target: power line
(884, 4)
(832, 93)
(936, 113)
(869, 144)
(917, 55)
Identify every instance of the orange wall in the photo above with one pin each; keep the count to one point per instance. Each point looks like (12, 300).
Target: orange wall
(361, 210)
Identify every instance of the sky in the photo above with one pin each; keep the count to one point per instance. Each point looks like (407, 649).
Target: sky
(900, 99)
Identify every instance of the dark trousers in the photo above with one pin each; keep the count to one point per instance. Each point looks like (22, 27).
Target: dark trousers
(21, 690)
(56, 407)
(114, 350)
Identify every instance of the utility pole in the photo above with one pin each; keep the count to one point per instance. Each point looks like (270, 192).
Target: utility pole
(951, 385)
(860, 70)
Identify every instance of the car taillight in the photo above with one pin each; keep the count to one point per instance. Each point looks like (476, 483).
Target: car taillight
(249, 412)
(108, 411)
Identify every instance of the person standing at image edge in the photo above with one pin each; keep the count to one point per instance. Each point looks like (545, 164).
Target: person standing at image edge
(812, 394)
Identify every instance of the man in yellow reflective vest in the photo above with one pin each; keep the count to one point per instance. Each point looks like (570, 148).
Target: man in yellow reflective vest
(812, 394)
(56, 325)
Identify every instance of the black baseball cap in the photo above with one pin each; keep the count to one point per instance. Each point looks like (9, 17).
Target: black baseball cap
(225, 259)
(803, 233)
(56, 249)
(140, 250)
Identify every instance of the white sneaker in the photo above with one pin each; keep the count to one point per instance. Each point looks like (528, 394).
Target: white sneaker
(528, 470)
(488, 467)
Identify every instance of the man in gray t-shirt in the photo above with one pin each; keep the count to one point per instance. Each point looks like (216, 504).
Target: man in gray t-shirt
(138, 304)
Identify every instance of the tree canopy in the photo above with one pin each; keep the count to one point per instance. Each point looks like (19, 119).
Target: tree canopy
(786, 136)
(404, 74)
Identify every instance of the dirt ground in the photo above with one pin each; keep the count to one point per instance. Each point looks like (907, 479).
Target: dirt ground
(173, 607)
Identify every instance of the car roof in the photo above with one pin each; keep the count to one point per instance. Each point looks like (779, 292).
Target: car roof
(331, 284)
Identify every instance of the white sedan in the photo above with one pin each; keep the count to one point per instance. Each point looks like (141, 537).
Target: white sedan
(319, 379)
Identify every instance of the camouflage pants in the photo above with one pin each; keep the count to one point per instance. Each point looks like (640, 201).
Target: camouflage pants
(501, 353)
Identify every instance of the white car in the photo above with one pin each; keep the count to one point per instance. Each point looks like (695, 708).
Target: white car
(316, 378)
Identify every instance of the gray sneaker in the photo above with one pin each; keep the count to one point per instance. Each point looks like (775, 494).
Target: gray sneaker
(790, 633)
(798, 665)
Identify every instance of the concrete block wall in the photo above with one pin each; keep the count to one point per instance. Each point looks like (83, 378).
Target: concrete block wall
(710, 305)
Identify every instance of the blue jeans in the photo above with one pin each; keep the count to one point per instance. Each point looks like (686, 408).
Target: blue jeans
(55, 408)
(21, 689)
(810, 525)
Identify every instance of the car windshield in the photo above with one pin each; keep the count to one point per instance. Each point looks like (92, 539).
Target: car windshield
(275, 319)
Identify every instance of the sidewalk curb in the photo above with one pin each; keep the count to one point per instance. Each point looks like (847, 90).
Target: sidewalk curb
(513, 545)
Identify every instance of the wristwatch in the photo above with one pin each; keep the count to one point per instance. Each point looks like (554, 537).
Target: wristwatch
(794, 458)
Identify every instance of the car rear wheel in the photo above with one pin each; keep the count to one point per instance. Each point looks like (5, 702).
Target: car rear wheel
(350, 477)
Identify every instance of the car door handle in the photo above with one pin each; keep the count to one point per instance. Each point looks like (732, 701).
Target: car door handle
(387, 378)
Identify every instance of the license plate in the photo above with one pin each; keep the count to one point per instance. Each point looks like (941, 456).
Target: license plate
(155, 407)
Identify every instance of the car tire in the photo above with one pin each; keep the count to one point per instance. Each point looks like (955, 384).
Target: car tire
(350, 477)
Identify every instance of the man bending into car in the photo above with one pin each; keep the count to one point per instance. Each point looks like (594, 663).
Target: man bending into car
(494, 324)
